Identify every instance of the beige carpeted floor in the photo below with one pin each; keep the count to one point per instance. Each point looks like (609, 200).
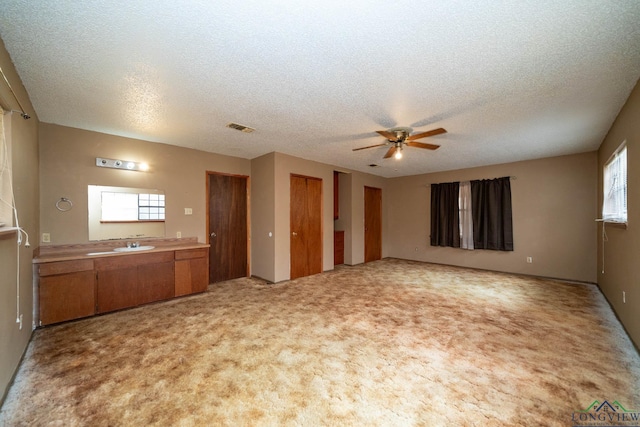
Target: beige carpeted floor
(393, 343)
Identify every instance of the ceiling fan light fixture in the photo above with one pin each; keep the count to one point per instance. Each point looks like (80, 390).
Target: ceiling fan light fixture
(398, 154)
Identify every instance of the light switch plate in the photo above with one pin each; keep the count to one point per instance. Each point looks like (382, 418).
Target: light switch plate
(188, 211)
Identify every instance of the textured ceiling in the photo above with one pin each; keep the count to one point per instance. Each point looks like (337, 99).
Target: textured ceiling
(509, 80)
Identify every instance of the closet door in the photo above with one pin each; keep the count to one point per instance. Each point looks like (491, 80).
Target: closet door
(306, 226)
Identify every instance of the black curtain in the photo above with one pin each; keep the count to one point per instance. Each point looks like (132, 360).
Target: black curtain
(445, 229)
(491, 210)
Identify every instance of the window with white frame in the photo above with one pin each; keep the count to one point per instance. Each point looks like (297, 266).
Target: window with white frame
(614, 206)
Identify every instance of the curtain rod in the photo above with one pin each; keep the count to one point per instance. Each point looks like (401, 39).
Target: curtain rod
(22, 112)
(511, 177)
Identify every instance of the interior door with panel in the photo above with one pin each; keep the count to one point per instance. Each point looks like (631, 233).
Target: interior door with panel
(372, 224)
(306, 226)
(228, 227)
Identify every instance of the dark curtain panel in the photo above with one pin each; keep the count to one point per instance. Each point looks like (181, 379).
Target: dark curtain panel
(491, 207)
(445, 229)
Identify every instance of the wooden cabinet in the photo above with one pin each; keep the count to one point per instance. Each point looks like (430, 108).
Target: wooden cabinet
(338, 247)
(66, 291)
(191, 271)
(128, 281)
(336, 195)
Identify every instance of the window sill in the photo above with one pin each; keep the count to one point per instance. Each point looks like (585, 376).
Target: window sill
(5, 231)
(616, 224)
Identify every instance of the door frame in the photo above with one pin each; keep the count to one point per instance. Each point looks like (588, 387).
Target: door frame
(207, 219)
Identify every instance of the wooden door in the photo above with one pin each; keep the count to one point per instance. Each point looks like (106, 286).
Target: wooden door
(228, 227)
(306, 226)
(372, 224)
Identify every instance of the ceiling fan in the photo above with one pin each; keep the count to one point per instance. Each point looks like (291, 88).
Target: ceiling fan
(400, 136)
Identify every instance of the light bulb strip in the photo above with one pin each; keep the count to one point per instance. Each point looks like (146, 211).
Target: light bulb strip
(122, 164)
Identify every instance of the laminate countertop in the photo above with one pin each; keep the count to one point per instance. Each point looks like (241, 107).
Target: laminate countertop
(45, 254)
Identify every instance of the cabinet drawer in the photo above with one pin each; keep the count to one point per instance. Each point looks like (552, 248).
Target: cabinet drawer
(63, 267)
(125, 261)
(192, 253)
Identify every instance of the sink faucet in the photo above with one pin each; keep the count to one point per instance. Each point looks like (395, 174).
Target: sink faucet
(133, 244)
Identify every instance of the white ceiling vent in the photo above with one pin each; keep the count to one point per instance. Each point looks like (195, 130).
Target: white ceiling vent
(242, 128)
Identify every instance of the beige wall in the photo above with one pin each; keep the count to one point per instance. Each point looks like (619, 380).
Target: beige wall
(553, 202)
(263, 209)
(67, 167)
(24, 156)
(622, 249)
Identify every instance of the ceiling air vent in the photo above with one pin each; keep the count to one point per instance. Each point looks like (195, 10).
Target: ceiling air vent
(242, 128)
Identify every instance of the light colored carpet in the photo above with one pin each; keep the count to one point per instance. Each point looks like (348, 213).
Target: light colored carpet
(387, 343)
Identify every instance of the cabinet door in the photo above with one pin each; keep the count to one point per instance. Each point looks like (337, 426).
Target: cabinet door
(66, 297)
(191, 271)
(183, 277)
(117, 289)
(192, 276)
(155, 282)
(199, 274)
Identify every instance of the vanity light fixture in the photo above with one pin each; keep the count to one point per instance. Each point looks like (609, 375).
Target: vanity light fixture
(122, 164)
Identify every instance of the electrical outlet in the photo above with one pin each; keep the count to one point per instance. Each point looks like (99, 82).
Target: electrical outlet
(46, 238)
(529, 260)
(624, 297)
(178, 234)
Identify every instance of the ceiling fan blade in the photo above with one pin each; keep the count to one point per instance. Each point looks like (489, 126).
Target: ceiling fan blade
(389, 135)
(391, 152)
(370, 146)
(422, 145)
(426, 134)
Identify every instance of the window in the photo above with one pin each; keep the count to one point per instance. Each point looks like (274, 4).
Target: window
(6, 193)
(151, 207)
(614, 206)
(132, 207)
(472, 215)
(466, 216)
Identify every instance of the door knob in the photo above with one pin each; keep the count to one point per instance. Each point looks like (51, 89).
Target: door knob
(213, 234)
(294, 233)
